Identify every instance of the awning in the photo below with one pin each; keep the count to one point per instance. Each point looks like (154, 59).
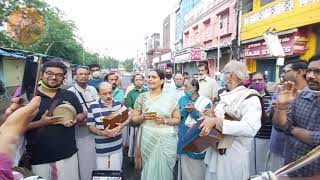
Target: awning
(16, 56)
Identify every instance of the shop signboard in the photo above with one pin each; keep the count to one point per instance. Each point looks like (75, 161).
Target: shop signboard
(294, 43)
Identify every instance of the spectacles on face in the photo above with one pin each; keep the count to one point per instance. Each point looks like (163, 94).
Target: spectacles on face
(51, 74)
(286, 71)
(314, 71)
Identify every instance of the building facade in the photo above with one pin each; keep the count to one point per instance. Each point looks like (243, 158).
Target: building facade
(296, 23)
(209, 26)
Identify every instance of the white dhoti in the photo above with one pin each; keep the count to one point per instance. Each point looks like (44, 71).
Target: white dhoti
(259, 155)
(274, 161)
(191, 169)
(65, 169)
(86, 152)
(110, 162)
(132, 140)
(233, 165)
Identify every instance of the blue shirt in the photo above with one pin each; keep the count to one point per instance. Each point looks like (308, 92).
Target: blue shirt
(104, 145)
(95, 83)
(304, 113)
(184, 100)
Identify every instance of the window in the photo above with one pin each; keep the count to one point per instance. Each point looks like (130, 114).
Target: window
(264, 2)
(224, 24)
(247, 6)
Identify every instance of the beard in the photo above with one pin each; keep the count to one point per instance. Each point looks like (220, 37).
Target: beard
(114, 86)
(50, 86)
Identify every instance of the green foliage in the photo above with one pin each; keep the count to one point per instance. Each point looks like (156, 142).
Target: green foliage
(128, 65)
(58, 33)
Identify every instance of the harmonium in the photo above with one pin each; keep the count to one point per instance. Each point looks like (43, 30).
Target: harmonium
(115, 117)
(195, 143)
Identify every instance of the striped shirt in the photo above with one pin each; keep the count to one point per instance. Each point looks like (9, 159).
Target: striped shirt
(104, 145)
(266, 127)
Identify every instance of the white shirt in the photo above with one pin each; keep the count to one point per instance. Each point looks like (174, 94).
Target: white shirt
(235, 163)
(169, 86)
(208, 87)
(89, 94)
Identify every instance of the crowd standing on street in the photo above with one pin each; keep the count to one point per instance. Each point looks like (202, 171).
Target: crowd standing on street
(262, 130)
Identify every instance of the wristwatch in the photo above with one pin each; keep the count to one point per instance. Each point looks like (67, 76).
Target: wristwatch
(288, 128)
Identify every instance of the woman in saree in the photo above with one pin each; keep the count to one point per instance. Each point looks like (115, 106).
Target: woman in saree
(158, 114)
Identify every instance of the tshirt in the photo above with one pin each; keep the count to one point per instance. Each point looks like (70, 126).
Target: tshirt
(95, 83)
(104, 145)
(54, 142)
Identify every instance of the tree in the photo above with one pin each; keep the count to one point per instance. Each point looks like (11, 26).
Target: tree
(128, 65)
(57, 31)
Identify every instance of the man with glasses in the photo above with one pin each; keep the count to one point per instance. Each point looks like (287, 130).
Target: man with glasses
(294, 71)
(85, 140)
(52, 145)
(298, 115)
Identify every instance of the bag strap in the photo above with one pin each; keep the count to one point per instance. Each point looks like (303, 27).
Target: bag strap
(81, 97)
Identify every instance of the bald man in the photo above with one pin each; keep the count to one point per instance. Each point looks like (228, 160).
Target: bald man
(108, 141)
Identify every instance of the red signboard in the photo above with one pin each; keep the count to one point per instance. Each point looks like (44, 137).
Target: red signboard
(294, 43)
(195, 54)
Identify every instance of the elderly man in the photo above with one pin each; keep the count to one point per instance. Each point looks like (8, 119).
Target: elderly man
(238, 117)
(208, 86)
(178, 80)
(138, 81)
(85, 140)
(108, 141)
(298, 116)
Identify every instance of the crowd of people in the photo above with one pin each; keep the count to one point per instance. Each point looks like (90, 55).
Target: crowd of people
(262, 130)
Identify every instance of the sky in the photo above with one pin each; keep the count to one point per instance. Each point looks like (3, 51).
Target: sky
(115, 27)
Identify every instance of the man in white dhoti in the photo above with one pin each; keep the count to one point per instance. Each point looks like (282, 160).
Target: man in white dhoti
(230, 159)
(84, 139)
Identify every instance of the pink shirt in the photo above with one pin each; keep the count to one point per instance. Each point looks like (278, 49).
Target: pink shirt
(5, 167)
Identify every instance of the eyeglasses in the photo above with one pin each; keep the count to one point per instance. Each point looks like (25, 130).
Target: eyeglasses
(83, 74)
(50, 74)
(286, 71)
(315, 71)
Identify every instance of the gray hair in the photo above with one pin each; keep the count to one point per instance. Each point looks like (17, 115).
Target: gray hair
(237, 68)
(104, 84)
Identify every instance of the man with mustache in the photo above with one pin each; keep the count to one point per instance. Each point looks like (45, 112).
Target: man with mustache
(298, 116)
(85, 140)
(294, 71)
(118, 93)
(208, 86)
(108, 141)
(52, 145)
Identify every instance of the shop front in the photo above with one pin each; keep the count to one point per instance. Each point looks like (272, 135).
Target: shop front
(257, 56)
(188, 59)
(163, 61)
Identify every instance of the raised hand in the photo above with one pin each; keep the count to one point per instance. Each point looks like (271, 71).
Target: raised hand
(286, 95)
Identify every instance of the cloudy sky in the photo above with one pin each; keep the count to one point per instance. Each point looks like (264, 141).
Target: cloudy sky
(115, 27)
